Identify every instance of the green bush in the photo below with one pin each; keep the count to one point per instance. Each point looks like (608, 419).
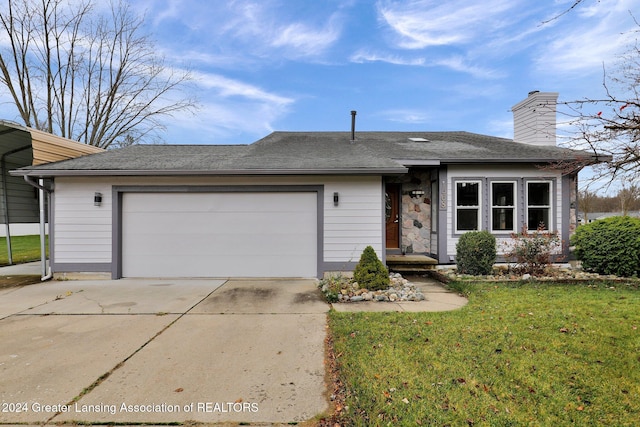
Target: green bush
(476, 253)
(609, 246)
(370, 273)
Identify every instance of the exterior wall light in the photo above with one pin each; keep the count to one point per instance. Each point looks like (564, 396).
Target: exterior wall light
(97, 199)
(336, 198)
(416, 193)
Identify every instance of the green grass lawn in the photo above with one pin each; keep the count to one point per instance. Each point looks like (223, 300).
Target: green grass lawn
(23, 249)
(517, 354)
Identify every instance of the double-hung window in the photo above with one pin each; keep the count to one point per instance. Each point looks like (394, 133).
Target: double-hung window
(503, 206)
(539, 205)
(467, 206)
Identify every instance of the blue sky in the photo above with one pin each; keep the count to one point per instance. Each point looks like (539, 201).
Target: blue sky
(405, 65)
(297, 65)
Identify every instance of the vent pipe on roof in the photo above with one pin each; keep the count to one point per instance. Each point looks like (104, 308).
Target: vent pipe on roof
(353, 125)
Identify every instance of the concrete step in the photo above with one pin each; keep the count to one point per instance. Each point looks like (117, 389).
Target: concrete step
(410, 263)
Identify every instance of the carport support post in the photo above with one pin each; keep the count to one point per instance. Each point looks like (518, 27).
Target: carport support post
(43, 246)
(5, 203)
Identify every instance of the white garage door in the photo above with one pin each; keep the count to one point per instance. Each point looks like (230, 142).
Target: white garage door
(219, 234)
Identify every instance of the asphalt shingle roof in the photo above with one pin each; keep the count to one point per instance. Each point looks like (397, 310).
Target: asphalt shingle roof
(310, 152)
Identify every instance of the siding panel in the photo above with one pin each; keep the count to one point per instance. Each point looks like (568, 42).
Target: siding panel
(521, 172)
(83, 231)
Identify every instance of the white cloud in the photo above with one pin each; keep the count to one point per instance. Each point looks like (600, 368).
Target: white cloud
(229, 108)
(585, 40)
(227, 88)
(502, 128)
(460, 64)
(424, 23)
(456, 63)
(263, 29)
(406, 116)
(363, 56)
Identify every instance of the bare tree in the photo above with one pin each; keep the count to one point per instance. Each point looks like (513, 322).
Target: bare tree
(628, 196)
(610, 125)
(586, 203)
(575, 4)
(82, 74)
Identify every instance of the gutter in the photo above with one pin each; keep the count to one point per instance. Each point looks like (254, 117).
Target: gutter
(42, 190)
(41, 173)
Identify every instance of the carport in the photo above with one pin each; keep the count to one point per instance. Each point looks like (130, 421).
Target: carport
(20, 202)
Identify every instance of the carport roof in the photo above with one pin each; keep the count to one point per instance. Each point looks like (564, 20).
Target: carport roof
(44, 146)
(311, 153)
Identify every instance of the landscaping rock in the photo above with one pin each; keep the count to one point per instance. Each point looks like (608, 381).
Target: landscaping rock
(502, 273)
(400, 290)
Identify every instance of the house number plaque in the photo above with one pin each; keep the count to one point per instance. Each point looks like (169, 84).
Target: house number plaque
(443, 195)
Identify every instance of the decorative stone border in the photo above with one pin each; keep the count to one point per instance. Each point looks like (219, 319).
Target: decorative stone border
(400, 290)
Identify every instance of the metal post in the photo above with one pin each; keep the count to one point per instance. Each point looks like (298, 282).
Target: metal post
(5, 205)
(43, 246)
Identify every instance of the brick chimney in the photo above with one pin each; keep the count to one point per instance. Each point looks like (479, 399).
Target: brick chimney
(534, 119)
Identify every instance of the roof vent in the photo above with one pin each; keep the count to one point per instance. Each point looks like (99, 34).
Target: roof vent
(418, 140)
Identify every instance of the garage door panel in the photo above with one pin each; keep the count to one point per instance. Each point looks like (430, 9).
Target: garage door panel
(202, 222)
(219, 234)
(249, 245)
(232, 266)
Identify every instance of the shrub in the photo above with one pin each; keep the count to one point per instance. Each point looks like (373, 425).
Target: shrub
(609, 246)
(370, 273)
(332, 286)
(532, 251)
(476, 253)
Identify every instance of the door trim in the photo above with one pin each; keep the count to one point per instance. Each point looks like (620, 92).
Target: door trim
(393, 188)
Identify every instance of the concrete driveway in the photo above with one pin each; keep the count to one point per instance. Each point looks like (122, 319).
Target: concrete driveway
(160, 351)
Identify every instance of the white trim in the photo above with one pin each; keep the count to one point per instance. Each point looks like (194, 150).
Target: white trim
(478, 207)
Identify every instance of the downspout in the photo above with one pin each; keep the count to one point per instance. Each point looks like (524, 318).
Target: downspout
(42, 190)
(5, 197)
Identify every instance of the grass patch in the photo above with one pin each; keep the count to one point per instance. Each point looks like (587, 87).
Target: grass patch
(23, 249)
(517, 354)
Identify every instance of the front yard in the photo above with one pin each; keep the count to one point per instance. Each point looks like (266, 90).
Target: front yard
(517, 354)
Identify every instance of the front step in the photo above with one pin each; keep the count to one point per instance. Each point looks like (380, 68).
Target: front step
(410, 263)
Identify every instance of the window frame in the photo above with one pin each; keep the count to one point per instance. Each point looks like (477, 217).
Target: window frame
(550, 207)
(477, 207)
(513, 207)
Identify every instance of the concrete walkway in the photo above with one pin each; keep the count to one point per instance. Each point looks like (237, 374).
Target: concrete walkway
(26, 269)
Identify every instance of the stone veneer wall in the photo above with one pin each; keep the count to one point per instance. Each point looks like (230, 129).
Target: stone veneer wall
(415, 212)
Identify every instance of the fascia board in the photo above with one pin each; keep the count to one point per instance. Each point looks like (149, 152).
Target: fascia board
(42, 173)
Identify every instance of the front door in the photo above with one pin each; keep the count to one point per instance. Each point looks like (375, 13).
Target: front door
(392, 215)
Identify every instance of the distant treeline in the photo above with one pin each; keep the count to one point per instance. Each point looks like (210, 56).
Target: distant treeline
(626, 200)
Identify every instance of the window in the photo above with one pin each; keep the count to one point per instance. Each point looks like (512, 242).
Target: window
(539, 205)
(467, 206)
(503, 197)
